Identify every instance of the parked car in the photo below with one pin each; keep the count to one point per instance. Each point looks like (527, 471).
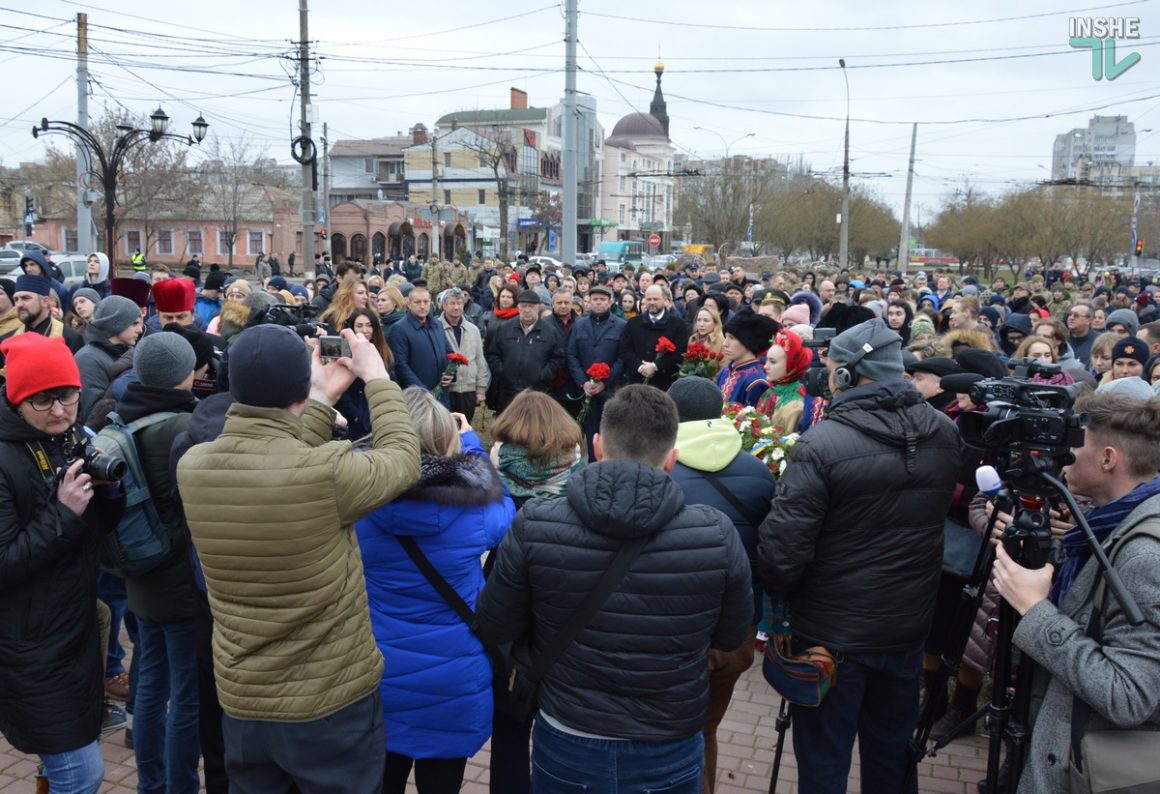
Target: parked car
(72, 267)
(9, 261)
(28, 245)
(544, 261)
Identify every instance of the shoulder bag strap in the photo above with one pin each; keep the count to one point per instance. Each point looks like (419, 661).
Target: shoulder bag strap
(499, 664)
(1080, 710)
(587, 610)
(747, 513)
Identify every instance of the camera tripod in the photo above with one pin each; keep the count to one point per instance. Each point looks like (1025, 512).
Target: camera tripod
(1028, 541)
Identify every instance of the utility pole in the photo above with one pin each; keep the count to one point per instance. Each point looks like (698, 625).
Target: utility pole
(844, 241)
(904, 240)
(325, 176)
(568, 232)
(85, 242)
(434, 196)
(310, 162)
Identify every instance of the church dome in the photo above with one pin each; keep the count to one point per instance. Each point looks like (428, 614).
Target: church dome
(639, 125)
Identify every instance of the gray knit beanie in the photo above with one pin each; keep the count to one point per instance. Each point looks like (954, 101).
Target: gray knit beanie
(1136, 388)
(1124, 317)
(883, 363)
(111, 316)
(697, 399)
(163, 360)
(87, 292)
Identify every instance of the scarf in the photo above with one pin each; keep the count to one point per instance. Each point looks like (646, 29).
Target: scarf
(778, 393)
(507, 314)
(1102, 520)
(525, 477)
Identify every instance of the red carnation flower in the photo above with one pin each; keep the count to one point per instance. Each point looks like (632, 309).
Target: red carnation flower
(599, 371)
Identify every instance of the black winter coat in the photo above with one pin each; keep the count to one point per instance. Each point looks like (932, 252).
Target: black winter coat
(520, 361)
(638, 344)
(51, 665)
(854, 538)
(165, 594)
(639, 670)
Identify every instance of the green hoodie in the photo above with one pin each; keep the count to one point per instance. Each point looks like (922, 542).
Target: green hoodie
(707, 444)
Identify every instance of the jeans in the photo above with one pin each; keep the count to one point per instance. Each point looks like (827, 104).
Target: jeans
(874, 699)
(111, 590)
(79, 771)
(564, 764)
(166, 708)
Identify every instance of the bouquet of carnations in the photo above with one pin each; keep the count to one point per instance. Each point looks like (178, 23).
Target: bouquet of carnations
(454, 362)
(700, 361)
(664, 345)
(597, 373)
(760, 437)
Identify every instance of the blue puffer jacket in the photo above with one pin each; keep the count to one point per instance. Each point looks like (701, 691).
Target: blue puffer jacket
(436, 686)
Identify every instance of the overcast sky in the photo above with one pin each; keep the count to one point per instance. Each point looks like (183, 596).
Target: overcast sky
(732, 67)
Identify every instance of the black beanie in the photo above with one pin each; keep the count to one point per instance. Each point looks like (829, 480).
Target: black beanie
(269, 367)
(696, 398)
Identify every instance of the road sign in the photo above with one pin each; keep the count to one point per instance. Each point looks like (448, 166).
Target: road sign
(654, 240)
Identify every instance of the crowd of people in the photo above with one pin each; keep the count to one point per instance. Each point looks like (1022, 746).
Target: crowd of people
(354, 575)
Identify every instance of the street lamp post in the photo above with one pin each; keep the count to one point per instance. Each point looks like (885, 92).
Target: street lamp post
(110, 162)
(844, 240)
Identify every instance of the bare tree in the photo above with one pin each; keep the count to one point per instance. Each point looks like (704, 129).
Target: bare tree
(230, 187)
(497, 154)
(717, 204)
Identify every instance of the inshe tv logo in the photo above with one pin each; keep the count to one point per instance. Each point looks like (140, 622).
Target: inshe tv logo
(1099, 34)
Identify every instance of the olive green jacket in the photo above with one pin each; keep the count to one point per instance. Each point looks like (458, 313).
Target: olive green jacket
(271, 505)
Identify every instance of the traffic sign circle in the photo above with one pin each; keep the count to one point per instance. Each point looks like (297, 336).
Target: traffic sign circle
(654, 240)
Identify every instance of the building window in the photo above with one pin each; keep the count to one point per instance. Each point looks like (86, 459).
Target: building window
(193, 242)
(482, 196)
(482, 159)
(298, 243)
(132, 241)
(255, 242)
(369, 165)
(165, 242)
(447, 197)
(447, 159)
(623, 184)
(70, 240)
(223, 248)
(621, 214)
(623, 157)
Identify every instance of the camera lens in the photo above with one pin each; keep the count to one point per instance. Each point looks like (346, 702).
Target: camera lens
(105, 467)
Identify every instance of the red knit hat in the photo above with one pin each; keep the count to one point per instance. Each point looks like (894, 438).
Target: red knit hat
(174, 295)
(37, 363)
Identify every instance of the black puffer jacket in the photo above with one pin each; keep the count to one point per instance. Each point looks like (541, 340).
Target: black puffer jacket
(639, 670)
(51, 668)
(854, 539)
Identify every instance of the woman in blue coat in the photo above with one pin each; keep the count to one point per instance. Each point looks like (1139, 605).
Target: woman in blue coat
(436, 686)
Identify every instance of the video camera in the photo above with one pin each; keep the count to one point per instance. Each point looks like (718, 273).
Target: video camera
(298, 318)
(1030, 429)
(817, 380)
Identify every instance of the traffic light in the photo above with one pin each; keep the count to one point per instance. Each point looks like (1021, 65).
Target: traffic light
(1139, 246)
(29, 204)
(322, 234)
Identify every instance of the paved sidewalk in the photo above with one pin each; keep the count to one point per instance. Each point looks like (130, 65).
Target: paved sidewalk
(745, 756)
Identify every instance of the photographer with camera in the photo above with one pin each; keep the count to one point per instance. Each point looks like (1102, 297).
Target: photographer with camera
(1112, 670)
(51, 663)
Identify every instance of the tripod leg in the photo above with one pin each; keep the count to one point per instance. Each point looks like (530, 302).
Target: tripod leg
(782, 725)
(999, 709)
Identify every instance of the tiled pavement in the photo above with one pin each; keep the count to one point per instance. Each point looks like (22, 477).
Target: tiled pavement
(746, 738)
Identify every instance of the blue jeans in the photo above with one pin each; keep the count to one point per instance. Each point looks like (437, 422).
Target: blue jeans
(566, 764)
(77, 771)
(166, 708)
(874, 699)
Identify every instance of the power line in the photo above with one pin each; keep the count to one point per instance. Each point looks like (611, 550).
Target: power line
(860, 28)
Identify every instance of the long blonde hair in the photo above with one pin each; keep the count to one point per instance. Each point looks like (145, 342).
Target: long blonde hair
(717, 335)
(342, 304)
(433, 423)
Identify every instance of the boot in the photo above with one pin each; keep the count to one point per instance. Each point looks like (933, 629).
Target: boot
(963, 703)
(41, 781)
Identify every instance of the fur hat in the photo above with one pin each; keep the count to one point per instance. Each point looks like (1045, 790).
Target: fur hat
(753, 331)
(131, 288)
(175, 295)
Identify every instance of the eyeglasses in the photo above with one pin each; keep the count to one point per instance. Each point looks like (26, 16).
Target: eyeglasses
(1077, 314)
(44, 400)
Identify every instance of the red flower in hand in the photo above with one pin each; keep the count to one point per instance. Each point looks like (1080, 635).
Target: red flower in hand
(665, 345)
(599, 371)
(457, 358)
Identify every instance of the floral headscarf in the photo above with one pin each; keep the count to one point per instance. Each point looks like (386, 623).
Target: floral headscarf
(797, 355)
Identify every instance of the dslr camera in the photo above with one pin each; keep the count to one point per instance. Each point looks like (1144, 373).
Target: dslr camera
(817, 380)
(97, 464)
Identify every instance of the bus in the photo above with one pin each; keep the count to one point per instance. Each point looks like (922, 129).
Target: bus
(616, 253)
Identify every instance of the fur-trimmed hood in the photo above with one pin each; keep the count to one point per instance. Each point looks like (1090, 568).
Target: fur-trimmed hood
(465, 480)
